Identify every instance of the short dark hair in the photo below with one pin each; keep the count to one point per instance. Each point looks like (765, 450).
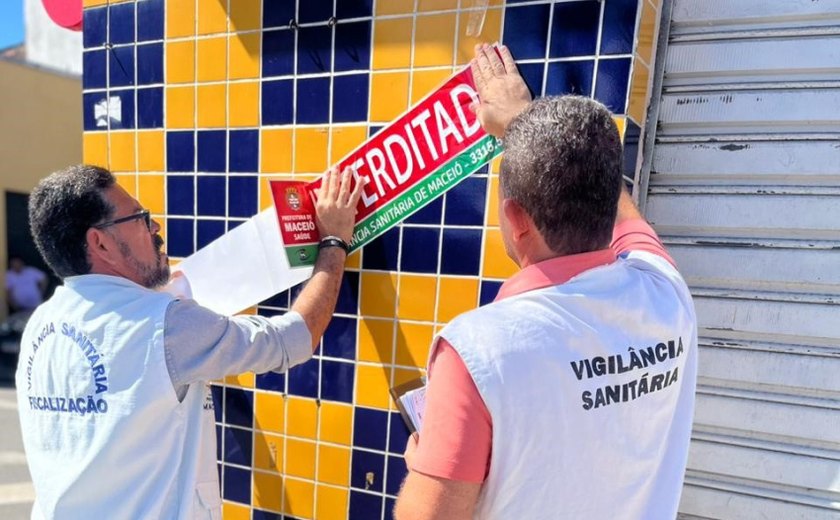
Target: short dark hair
(62, 208)
(562, 164)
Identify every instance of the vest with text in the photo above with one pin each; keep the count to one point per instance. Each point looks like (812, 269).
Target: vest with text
(590, 388)
(104, 433)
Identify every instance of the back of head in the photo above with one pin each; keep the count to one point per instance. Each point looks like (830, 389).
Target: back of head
(61, 210)
(562, 164)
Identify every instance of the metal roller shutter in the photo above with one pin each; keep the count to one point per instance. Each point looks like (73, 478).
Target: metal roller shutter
(744, 188)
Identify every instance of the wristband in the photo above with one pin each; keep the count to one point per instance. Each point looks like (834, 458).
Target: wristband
(333, 241)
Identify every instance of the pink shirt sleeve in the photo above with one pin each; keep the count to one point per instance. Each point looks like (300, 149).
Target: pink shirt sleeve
(455, 439)
(637, 235)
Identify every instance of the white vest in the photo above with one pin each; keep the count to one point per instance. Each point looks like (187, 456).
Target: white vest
(590, 387)
(104, 433)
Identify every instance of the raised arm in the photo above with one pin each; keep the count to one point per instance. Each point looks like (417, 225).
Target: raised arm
(335, 216)
(501, 90)
(633, 233)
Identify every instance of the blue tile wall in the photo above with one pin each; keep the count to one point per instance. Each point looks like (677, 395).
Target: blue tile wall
(212, 195)
(150, 107)
(315, 60)
(94, 67)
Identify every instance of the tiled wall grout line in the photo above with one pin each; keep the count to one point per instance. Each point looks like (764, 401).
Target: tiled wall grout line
(401, 245)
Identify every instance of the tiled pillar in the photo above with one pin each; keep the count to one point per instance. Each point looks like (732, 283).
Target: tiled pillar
(196, 104)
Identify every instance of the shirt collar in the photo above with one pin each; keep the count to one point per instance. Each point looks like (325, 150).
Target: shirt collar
(85, 280)
(554, 271)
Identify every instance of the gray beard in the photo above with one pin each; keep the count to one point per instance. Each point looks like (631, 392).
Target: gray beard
(151, 276)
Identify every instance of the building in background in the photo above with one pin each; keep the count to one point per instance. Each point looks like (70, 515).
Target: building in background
(40, 118)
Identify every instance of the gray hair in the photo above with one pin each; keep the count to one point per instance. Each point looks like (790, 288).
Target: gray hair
(562, 164)
(61, 210)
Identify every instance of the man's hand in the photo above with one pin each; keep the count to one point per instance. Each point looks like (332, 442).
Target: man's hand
(410, 448)
(335, 212)
(501, 89)
(335, 208)
(178, 286)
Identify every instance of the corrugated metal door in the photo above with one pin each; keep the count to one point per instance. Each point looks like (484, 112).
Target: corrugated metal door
(744, 188)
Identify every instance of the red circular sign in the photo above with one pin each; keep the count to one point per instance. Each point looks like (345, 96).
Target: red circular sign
(66, 13)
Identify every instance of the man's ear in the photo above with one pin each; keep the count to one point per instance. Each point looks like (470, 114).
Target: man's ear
(101, 247)
(520, 223)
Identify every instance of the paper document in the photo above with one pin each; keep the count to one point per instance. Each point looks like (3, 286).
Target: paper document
(411, 402)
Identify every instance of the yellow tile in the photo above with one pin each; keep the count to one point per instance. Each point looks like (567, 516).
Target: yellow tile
(497, 264)
(404, 375)
(150, 156)
(425, 81)
(250, 311)
(490, 3)
(246, 380)
(300, 498)
(180, 18)
(266, 198)
(332, 503)
(372, 386)
(269, 410)
(394, 7)
(491, 31)
(268, 451)
(334, 465)
(354, 261)
(180, 107)
(336, 422)
(647, 33)
(496, 165)
(390, 90)
(268, 491)
(303, 417)
(162, 223)
(151, 189)
(300, 458)
(621, 123)
(95, 146)
(212, 58)
(180, 62)
(93, 3)
(345, 139)
(122, 151)
(243, 100)
(436, 5)
(212, 106)
(413, 342)
(379, 292)
(434, 40)
(128, 183)
(311, 149)
(276, 150)
(233, 511)
(417, 297)
(638, 93)
(244, 56)
(392, 43)
(376, 339)
(491, 216)
(245, 15)
(212, 16)
(457, 295)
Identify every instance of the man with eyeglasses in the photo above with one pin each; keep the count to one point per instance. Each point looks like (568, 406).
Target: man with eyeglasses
(116, 415)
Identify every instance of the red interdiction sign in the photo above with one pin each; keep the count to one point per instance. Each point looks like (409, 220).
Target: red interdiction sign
(425, 152)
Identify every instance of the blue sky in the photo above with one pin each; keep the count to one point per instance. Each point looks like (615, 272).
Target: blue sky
(11, 22)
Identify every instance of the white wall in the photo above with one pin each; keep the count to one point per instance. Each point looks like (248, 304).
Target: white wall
(49, 45)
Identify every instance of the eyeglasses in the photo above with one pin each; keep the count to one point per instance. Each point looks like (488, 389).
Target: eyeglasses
(143, 214)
